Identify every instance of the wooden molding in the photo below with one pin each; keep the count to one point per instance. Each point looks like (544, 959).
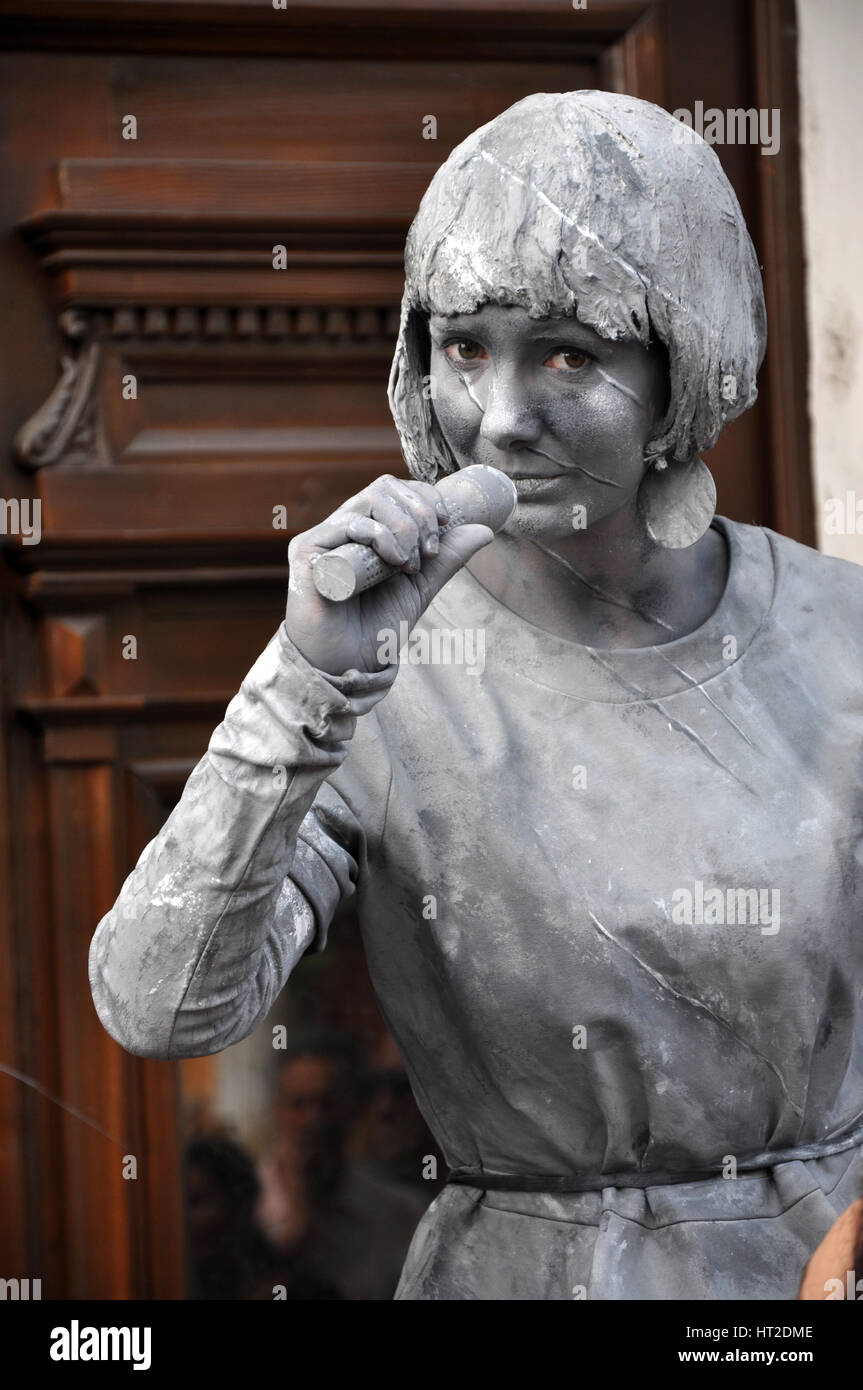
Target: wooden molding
(517, 29)
(787, 357)
(75, 650)
(67, 428)
(309, 324)
(128, 232)
(63, 427)
(634, 63)
(311, 195)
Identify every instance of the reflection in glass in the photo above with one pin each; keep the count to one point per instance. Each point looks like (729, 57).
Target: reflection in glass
(308, 1164)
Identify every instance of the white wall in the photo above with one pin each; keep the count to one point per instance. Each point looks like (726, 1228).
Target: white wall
(830, 69)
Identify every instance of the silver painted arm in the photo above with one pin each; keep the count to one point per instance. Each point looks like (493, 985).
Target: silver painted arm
(245, 874)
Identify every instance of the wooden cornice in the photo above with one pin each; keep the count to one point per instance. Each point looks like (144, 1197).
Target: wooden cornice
(198, 232)
(61, 238)
(445, 29)
(306, 194)
(62, 580)
(171, 264)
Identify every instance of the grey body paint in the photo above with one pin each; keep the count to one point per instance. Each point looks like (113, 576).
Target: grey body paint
(469, 389)
(576, 467)
(461, 788)
(619, 385)
(572, 177)
(696, 1004)
(698, 686)
(675, 723)
(601, 593)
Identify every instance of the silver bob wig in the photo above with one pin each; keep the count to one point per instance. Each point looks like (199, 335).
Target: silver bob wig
(597, 205)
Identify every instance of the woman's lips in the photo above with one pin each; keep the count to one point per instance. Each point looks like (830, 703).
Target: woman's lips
(533, 483)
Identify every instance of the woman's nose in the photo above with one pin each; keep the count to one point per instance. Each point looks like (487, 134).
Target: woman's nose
(510, 415)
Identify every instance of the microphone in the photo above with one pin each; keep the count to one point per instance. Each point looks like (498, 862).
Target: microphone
(476, 494)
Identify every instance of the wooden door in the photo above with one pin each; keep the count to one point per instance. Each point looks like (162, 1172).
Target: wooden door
(179, 407)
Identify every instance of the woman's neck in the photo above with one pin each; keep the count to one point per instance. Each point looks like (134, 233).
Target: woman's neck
(608, 586)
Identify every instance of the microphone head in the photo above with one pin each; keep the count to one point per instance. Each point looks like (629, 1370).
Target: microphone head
(483, 494)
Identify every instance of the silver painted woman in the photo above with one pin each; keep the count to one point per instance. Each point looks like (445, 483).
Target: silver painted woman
(610, 884)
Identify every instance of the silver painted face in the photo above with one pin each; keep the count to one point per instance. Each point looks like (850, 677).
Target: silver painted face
(564, 412)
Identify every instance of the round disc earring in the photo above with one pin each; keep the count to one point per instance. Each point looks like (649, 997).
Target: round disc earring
(677, 502)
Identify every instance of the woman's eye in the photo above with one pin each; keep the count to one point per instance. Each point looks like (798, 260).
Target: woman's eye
(464, 351)
(567, 360)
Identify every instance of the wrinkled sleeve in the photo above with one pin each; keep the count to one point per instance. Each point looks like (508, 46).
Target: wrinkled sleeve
(248, 870)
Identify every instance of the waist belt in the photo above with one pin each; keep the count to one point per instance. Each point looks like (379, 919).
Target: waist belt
(639, 1177)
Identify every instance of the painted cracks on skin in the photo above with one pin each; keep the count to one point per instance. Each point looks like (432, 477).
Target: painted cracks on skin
(70, 1109)
(696, 1004)
(612, 381)
(570, 467)
(601, 593)
(467, 386)
(577, 468)
(606, 376)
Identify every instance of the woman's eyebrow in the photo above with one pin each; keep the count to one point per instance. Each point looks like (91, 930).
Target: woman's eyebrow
(455, 323)
(547, 333)
(557, 331)
(544, 330)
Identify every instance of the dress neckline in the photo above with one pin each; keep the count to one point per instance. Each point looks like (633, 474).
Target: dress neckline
(624, 675)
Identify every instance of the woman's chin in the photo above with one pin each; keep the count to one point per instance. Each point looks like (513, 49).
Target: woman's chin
(545, 521)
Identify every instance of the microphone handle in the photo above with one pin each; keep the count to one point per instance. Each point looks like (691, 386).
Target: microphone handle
(352, 568)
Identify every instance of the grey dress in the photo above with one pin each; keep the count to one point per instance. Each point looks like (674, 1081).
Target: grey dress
(611, 906)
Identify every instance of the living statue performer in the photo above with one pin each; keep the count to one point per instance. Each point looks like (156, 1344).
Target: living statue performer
(610, 875)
